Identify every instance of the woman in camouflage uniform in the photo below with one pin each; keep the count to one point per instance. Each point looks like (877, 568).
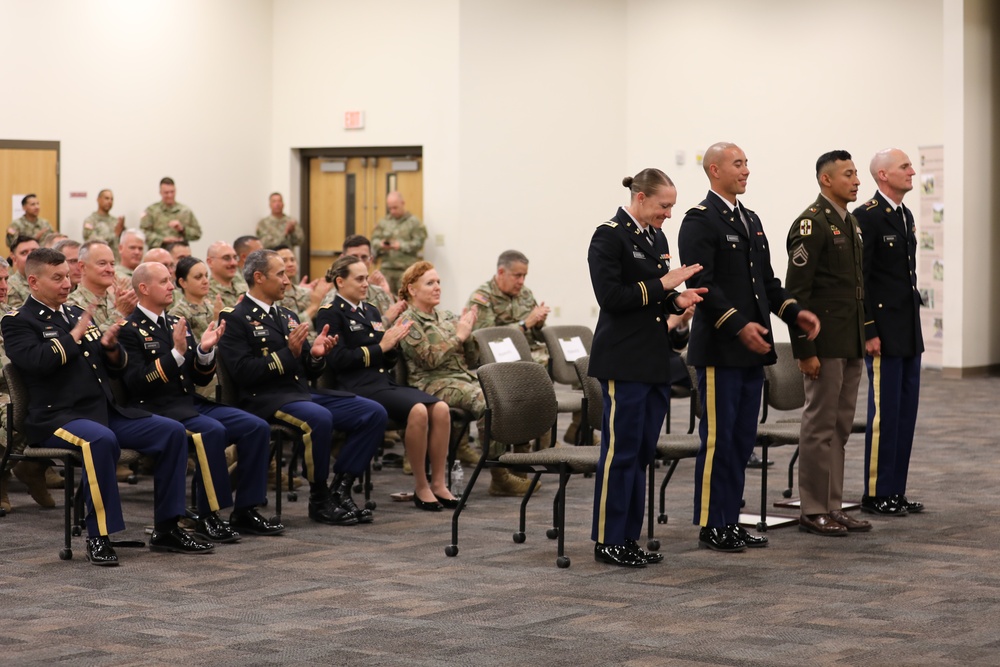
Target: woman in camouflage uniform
(192, 303)
(440, 350)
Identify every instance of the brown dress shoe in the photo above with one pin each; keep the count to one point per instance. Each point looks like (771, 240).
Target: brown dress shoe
(821, 524)
(850, 523)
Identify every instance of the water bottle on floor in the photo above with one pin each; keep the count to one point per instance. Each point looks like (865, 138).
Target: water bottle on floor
(457, 479)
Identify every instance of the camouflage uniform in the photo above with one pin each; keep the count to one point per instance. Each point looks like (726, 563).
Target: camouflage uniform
(122, 272)
(296, 299)
(271, 232)
(410, 233)
(105, 314)
(17, 290)
(155, 223)
(230, 295)
(198, 318)
(439, 364)
(25, 227)
(497, 309)
(101, 227)
(3, 393)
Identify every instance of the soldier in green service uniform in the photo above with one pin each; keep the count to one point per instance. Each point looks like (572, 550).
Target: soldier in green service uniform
(225, 281)
(398, 240)
(167, 220)
(440, 351)
(29, 224)
(101, 225)
(17, 286)
(825, 275)
(112, 298)
(279, 229)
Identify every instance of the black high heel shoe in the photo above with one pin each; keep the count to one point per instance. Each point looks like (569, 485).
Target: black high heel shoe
(426, 506)
(447, 503)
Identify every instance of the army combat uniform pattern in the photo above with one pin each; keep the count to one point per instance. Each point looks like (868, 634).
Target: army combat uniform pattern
(271, 232)
(155, 223)
(498, 309)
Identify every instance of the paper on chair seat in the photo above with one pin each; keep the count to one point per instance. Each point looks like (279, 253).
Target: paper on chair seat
(572, 348)
(504, 350)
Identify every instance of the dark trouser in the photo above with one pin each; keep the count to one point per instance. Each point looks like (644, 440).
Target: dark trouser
(893, 394)
(633, 418)
(730, 403)
(165, 440)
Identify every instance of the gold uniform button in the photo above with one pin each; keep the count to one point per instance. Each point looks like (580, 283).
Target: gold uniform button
(371, 335)
(86, 354)
(657, 319)
(296, 378)
(659, 266)
(382, 370)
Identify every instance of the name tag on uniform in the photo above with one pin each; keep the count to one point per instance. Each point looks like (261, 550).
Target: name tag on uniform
(889, 237)
(356, 326)
(839, 240)
(260, 332)
(50, 334)
(151, 346)
(732, 238)
(637, 254)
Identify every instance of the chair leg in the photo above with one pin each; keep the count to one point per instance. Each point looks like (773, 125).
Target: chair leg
(787, 493)
(66, 553)
(651, 543)
(762, 524)
(562, 561)
(662, 518)
(278, 465)
(452, 549)
(520, 535)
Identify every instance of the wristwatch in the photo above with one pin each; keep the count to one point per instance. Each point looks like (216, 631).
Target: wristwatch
(523, 325)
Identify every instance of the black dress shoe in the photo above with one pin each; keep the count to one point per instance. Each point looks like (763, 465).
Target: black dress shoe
(720, 539)
(647, 556)
(447, 503)
(755, 462)
(250, 521)
(752, 541)
(425, 505)
(617, 554)
(912, 507)
(100, 551)
(884, 505)
(212, 528)
(323, 511)
(178, 541)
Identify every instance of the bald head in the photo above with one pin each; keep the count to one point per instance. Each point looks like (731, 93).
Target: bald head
(893, 173)
(725, 165)
(163, 257)
(715, 154)
(394, 204)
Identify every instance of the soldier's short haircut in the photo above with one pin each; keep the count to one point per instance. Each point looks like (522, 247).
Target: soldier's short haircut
(166, 180)
(39, 257)
(356, 241)
(647, 181)
(273, 194)
(4, 264)
(508, 258)
(829, 158)
(66, 243)
(138, 233)
(280, 246)
(170, 245)
(342, 268)
(21, 238)
(242, 244)
(257, 261)
(24, 200)
(86, 247)
(184, 266)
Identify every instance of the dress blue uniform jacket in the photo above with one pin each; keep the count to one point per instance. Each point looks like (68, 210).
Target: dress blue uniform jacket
(357, 360)
(154, 380)
(741, 285)
(255, 350)
(631, 343)
(892, 302)
(66, 379)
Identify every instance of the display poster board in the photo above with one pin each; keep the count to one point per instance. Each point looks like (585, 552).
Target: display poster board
(930, 252)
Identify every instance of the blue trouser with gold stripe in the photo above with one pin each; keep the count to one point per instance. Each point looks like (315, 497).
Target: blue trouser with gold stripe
(893, 394)
(730, 404)
(633, 417)
(165, 440)
(212, 431)
(361, 420)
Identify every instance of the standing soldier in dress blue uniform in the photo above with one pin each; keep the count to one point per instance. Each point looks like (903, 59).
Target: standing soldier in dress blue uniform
(630, 272)
(892, 331)
(731, 341)
(164, 365)
(67, 361)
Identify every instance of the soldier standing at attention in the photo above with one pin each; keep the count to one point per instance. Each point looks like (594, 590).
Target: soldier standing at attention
(630, 271)
(731, 341)
(825, 275)
(168, 220)
(398, 240)
(892, 330)
(101, 225)
(278, 228)
(29, 224)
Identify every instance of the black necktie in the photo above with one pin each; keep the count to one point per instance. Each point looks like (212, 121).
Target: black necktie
(652, 235)
(902, 216)
(274, 316)
(739, 213)
(161, 321)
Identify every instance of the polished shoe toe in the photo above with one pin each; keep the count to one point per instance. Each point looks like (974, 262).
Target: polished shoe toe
(323, 511)
(617, 554)
(447, 503)
(821, 524)
(100, 551)
(912, 506)
(884, 505)
(212, 528)
(850, 523)
(250, 521)
(752, 541)
(648, 556)
(178, 541)
(720, 539)
(426, 505)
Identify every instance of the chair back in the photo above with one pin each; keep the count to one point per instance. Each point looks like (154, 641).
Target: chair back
(784, 381)
(402, 371)
(499, 335)
(18, 395)
(228, 395)
(563, 370)
(591, 393)
(520, 399)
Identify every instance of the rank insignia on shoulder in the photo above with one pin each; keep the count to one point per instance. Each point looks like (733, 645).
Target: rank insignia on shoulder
(11, 313)
(122, 322)
(227, 309)
(805, 227)
(697, 207)
(800, 256)
(871, 204)
(609, 223)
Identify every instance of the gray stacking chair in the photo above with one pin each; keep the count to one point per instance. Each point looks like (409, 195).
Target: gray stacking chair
(520, 407)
